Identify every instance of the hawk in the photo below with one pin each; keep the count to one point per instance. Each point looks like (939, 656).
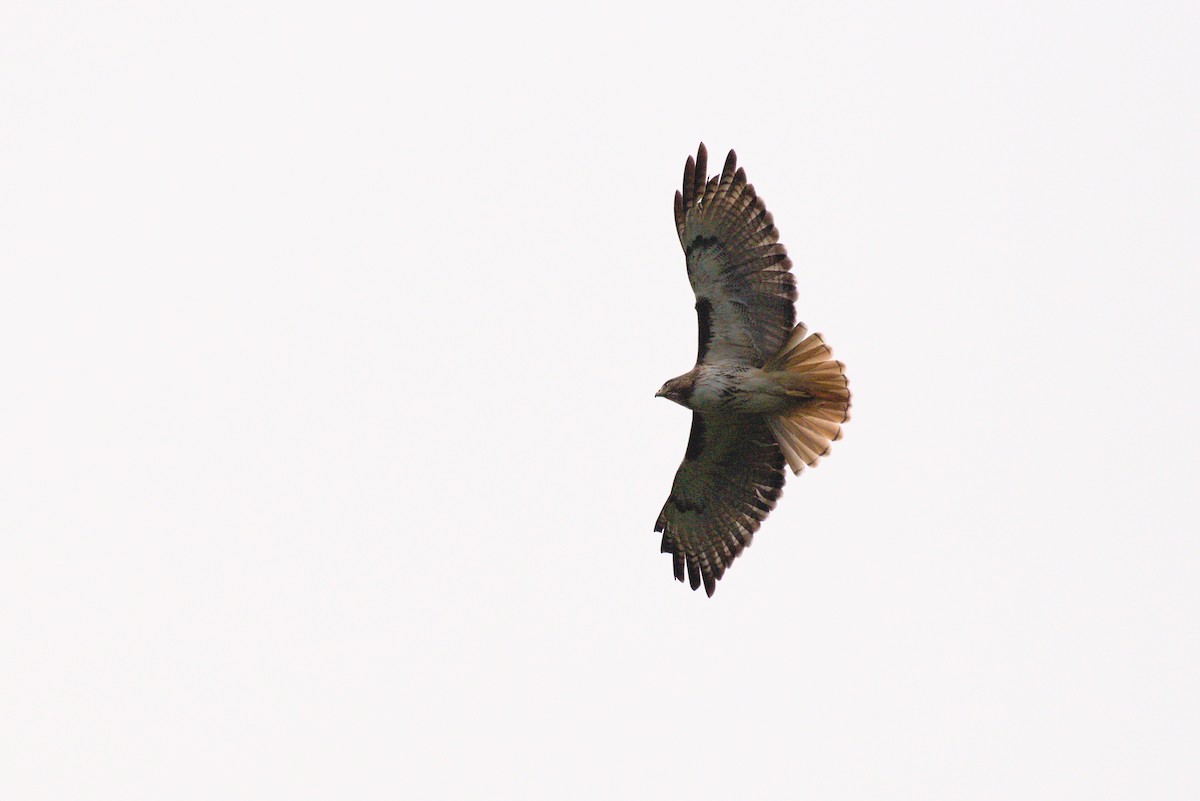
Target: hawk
(764, 392)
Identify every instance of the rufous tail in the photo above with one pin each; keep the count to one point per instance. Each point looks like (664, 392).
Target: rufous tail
(807, 371)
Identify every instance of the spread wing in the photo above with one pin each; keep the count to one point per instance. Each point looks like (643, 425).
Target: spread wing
(738, 269)
(729, 481)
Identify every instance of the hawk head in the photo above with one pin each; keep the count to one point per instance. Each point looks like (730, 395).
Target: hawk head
(678, 389)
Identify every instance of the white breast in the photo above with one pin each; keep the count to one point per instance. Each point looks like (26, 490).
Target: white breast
(739, 389)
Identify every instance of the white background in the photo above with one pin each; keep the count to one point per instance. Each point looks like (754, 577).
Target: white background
(329, 335)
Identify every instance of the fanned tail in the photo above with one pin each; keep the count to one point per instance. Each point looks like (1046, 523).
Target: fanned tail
(806, 369)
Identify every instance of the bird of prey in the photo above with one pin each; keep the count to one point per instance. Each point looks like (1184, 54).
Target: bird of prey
(764, 392)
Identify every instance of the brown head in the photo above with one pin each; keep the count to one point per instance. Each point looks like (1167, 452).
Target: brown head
(678, 389)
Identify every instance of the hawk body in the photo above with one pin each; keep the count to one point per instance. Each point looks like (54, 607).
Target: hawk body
(764, 394)
(734, 389)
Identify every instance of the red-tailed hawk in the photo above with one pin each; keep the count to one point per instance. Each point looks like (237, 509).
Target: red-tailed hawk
(763, 393)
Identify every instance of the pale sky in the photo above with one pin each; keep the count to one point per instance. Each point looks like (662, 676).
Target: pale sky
(330, 335)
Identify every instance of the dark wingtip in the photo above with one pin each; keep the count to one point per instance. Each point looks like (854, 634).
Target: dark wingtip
(730, 166)
(689, 181)
(710, 585)
(693, 572)
(669, 547)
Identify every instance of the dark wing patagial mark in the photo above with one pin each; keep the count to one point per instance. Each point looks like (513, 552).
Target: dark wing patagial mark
(704, 321)
(735, 264)
(696, 438)
(729, 481)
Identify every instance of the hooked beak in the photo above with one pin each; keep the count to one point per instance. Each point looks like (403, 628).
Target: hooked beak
(659, 394)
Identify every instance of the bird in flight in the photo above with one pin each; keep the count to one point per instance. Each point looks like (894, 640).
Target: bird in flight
(764, 392)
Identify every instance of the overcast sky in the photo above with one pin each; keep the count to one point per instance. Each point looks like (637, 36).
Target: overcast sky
(330, 335)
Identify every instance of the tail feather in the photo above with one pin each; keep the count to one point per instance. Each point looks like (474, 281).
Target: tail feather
(807, 371)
